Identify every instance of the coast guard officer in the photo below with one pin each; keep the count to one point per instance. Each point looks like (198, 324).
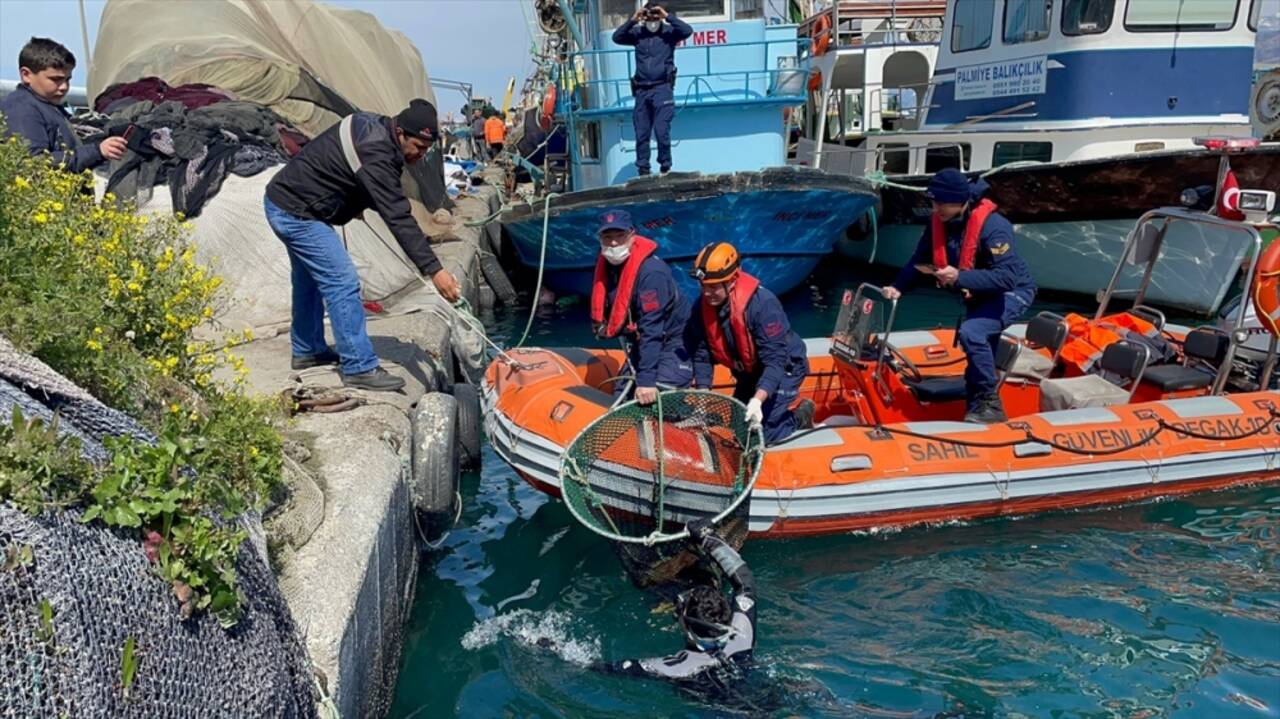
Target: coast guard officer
(968, 246)
(654, 33)
(634, 296)
(741, 324)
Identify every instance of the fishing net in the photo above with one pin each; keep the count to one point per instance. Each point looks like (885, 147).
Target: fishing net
(639, 474)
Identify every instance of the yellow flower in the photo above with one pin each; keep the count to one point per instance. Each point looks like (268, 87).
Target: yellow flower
(248, 335)
(134, 287)
(97, 330)
(194, 416)
(253, 451)
(94, 345)
(57, 207)
(208, 312)
(40, 218)
(171, 362)
(174, 408)
(20, 182)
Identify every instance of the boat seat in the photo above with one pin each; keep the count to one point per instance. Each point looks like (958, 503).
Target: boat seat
(1204, 348)
(938, 389)
(1126, 361)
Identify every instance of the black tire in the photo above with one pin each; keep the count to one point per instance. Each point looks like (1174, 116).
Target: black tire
(435, 464)
(468, 397)
(497, 279)
(493, 233)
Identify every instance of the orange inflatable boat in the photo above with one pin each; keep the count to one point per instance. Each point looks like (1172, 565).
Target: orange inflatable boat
(1115, 408)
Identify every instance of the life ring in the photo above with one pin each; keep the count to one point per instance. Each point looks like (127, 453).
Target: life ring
(1266, 288)
(548, 107)
(821, 34)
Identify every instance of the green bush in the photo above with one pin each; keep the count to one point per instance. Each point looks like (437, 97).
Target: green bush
(110, 299)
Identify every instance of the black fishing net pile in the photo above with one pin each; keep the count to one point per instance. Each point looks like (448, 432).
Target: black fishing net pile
(72, 595)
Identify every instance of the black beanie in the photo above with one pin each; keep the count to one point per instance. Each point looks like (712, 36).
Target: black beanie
(419, 120)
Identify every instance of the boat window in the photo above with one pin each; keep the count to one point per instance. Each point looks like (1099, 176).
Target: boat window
(613, 13)
(1256, 13)
(1166, 15)
(698, 10)
(1087, 17)
(748, 9)
(1026, 20)
(971, 24)
(940, 157)
(589, 141)
(895, 158)
(1006, 152)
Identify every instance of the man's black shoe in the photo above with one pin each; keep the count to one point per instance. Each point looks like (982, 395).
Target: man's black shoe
(988, 410)
(375, 380)
(665, 170)
(642, 173)
(804, 414)
(307, 362)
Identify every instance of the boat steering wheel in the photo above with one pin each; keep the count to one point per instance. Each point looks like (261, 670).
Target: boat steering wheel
(900, 363)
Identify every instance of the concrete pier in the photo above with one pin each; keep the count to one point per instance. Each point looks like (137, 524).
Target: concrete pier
(350, 581)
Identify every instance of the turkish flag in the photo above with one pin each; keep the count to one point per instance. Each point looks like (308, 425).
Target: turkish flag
(1229, 201)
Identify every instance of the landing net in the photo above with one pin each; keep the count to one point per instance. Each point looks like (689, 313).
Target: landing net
(639, 474)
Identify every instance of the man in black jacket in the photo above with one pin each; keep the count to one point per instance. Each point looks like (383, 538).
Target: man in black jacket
(332, 184)
(654, 33)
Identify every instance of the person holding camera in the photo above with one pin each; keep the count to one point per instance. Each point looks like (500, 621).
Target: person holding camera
(654, 33)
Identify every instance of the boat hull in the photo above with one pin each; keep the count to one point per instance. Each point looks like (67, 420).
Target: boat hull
(783, 221)
(922, 471)
(1072, 220)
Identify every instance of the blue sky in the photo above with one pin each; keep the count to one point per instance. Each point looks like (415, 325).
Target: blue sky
(483, 42)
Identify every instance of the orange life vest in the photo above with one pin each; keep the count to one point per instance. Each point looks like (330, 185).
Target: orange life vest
(494, 130)
(641, 248)
(739, 296)
(1087, 338)
(968, 245)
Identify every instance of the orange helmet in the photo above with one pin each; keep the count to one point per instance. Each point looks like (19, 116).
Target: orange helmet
(717, 262)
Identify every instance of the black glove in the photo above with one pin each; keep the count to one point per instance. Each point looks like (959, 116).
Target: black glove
(700, 529)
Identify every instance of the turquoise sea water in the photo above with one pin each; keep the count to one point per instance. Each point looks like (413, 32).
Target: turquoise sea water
(1164, 609)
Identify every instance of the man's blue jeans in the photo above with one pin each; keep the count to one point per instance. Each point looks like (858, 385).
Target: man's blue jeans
(323, 277)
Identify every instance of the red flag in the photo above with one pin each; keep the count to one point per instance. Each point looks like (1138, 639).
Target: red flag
(1229, 201)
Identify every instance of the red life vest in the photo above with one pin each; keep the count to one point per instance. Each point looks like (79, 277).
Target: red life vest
(641, 248)
(969, 245)
(739, 296)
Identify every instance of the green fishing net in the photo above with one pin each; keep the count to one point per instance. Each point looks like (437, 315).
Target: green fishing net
(639, 474)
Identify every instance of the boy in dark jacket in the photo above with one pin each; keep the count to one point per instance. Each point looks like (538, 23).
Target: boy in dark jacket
(35, 111)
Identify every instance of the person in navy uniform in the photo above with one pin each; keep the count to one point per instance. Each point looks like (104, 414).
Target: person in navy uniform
(968, 246)
(634, 297)
(654, 33)
(741, 324)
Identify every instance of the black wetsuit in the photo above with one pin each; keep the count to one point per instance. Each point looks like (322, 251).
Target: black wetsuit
(720, 666)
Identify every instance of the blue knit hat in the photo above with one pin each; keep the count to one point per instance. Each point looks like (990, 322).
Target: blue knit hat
(949, 185)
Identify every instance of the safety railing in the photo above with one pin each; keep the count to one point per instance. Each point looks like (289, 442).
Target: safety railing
(864, 23)
(729, 72)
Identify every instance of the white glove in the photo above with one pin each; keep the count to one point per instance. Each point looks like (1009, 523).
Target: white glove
(755, 415)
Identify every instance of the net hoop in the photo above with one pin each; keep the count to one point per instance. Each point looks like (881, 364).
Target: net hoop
(755, 446)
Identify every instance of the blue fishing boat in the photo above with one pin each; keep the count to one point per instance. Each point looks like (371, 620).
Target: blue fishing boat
(740, 74)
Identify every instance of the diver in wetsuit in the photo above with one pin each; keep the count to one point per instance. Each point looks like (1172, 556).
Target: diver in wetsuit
(720, 634)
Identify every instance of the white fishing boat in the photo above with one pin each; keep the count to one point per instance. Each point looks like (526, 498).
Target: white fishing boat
(1089, 108)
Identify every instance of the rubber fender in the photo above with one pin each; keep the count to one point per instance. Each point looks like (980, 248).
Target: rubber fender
(435, 463)
(498, 280)
(469, 417)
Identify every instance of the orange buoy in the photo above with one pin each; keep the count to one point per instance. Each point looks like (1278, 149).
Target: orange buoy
(821, 34)
(1266, 287)
(548, 107)
(815, 82)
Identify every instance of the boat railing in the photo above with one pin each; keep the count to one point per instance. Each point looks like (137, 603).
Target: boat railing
(916, 113)
(867, 23)
(879, 154)
(721, 78)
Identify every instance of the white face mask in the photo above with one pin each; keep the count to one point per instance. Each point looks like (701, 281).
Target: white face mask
(653, 26)
(616, 255)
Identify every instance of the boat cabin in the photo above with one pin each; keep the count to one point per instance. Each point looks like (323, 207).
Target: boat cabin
(735, 76)
(1063, 80)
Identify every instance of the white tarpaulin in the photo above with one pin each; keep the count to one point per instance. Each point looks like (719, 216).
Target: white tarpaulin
(262, 50)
